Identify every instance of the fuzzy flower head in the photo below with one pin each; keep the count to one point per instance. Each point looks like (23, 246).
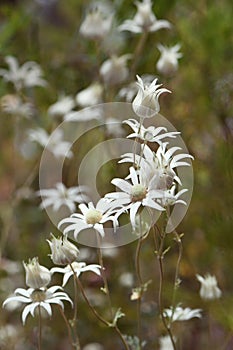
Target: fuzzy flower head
(96, 25)
(62, 196)
(90, 96)
(37, 276)
(144, 20)
(146, 102)
(91, 217)
(28, 75)
(63, 252)
(39, 297)
(209, 289)
(180, 314)
(62, 106)
(13, 104)
(114, 70)
(168, 61)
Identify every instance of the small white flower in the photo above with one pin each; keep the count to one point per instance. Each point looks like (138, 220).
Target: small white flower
(144, 20)
(13, 104)
(165, 343)
(171, 198)
(180, 314)
(54, 143)
(168, 61)
(91, 217)
(151, 134)
(90, 96)
(114, 127)
(63, 251)
(134, 195)
(94, 112)
(62, 106)
(209, 289)
(146, 102)
(96, 24)
(37, 276)
(38, 298)
(62, 196)
(114, 70)
(28, 75)
(78, 268)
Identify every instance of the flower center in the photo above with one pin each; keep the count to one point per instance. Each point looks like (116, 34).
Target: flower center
(38, 295)
(138, 193)
(93, 216)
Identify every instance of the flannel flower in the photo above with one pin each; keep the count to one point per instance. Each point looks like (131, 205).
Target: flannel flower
(209, 289)
(114, 70)
(168, 61)
(144, 20)
(28, 75)
(63, 252)
(146, 102)
(54, 143)
(35, 298)
(13, 104)
(37, 276)
(150, 134)
(180, 314)
(135, 194)
(62, 106)
(91, 217)
(96, 25)
(77, 268)
(62, 196)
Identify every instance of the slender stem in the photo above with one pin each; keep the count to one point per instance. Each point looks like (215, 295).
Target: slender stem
(67, 326)
(39, 329)
(74, 320)
(138, 52)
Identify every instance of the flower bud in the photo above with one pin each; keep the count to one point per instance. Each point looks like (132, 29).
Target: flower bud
(209, 289)
(63, 251)
(96, 25)
(90, 96)
(114, 70)
(37, 276)
(168, 61)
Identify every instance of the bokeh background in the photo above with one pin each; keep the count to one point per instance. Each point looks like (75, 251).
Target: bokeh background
(200, 106)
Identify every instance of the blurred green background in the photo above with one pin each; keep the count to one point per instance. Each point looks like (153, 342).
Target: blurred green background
(200, 106)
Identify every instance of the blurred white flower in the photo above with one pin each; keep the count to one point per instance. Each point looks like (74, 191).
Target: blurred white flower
(63, 252)
(209, 288)
(144, 20)
(146, 102)
(28, 75)
(134, 195)
(13, 104)
(171, 197)
(54, 142)
(165, 343)
(84, 115)
(126, 279)
(168, 61)
(114, 70)
(37, 276)
(96, 24)
(63, 105)
(91, 217)
(38, 298)
(63, 196)
(114, 127)
(90, 96)
(77, 268)
(151, 134)
(93, 346)
(180, 314)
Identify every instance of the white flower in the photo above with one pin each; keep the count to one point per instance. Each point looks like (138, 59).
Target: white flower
(180, 314)
(28, 75)
(94, 112)
(171, 198)
(54, 142)
(78, 268)
(114, 127)
(38, 298)
(96, 25)
(165, 343)
(91, 217)
(63, 105)
(63, 251)
(151, 134)
(134, 195)
(62, 196)
(144, 20)
(37, 276)
(146, 102)
(13, 104)
(114, 70)
(209, 289)
(90, 96)
(168, 61)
